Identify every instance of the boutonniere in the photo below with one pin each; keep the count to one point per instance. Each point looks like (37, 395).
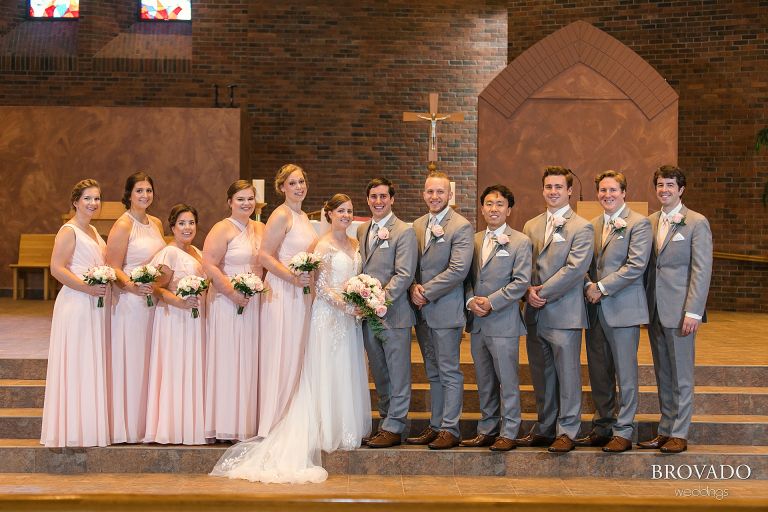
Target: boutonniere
(619, 225)
(501, 239)
(677, 219)
(382, 234)
(558, 223)
(437, 231)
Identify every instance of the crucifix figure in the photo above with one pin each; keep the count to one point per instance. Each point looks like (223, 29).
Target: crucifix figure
(433, 117)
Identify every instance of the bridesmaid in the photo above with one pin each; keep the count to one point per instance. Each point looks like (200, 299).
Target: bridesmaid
(285, 308)
(232, 356)
(133, 240)
(175, 398)
(76, 405)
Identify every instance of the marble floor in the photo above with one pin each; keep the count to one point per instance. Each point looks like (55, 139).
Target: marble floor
(729, 338)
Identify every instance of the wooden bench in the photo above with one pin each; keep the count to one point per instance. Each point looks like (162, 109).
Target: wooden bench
(34, 254)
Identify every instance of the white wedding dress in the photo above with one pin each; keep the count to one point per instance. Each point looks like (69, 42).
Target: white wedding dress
(331, 408)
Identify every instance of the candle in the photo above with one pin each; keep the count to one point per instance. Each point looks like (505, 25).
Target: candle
(452, 201)
(259, 186)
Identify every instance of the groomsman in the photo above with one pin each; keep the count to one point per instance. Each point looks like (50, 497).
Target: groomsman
(498, 279)
(677, 284)
(445, 248)
(389, 251)
(616, 306)
(555, 313)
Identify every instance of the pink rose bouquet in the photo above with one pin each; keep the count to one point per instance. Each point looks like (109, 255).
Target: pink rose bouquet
(249, 284)
(366, 293)
(191, 285)
(102, 274)
(146, 274)
(304, 262)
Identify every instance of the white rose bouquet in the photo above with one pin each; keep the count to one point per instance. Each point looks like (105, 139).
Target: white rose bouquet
(146, 274)
(249, 284)
(189, 286)
(304, 262)
(102, 274)
(366, 293)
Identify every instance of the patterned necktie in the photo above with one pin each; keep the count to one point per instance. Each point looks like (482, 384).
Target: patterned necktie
(487, 246)
(373, 235)
(430, 224)
(606, 230)
(550, 226)
(663, 230)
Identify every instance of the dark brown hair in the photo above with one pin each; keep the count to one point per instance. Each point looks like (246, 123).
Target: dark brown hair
(670, 172)
(377, 182)
(556, 170)
(333, 203)
(177, 210)
(131, 182)
(239, 185)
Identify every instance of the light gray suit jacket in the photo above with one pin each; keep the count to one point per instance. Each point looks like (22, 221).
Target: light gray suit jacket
(393, 263)
(677, 280)
(560, 267)
(619, 264)
(504, 279)
(443, 268)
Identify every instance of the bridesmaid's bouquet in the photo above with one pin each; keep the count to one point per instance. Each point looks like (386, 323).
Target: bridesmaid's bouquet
(304, 262)
(191, 285)
(146, 274)
(248, 284)
(102, 274)
(366, 293)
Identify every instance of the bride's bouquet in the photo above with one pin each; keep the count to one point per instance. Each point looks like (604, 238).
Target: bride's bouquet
(366, 293)
(191, 285)
(102, 274)
(146, 274)
(304, 262)
(249, 284)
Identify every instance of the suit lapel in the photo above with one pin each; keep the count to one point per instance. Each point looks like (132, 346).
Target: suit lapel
(612, 232)
(389, 225)
(554, 229)
(496, 247)
(672, 229)
(442, 224)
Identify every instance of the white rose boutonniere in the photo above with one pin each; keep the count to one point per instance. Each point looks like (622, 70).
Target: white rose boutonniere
(437, 231)
(677, 219)
(383, 234)
(502, 239)
(619, 225)
(558, 223)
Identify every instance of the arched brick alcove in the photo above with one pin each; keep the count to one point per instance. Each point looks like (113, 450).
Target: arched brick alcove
(578, 98)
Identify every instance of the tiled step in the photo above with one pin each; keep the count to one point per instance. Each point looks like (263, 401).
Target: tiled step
(25, 423)
(21, 456)
(21, 393)
(707, 400)
(31, 369)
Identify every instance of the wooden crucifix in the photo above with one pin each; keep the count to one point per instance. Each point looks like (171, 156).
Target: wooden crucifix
(433, 117)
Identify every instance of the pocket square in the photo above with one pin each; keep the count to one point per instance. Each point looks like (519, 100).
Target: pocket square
(384, 245)
(502, 253)
(557, 237)
(440, 240)
(678, 237)
(620, 237)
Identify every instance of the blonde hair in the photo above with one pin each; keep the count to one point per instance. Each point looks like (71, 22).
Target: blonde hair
(284, 172)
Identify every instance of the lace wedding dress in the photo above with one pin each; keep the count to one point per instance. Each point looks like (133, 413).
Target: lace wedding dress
(331, 409)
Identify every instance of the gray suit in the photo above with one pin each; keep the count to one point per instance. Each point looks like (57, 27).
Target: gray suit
(504, 279)
(554, 330)
(393, 262)
(677, 281)
(618, 264)
(441, 271)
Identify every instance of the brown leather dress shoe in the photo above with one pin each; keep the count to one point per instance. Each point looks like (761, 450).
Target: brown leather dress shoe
(478, 441)
(444, 441)
(562, 444)
(653, 444)
(675, 445)
(534, 440)
(364, 441)
(427, 436)
(503, 444)
(617, 444)
(592, 439)
(384, 439)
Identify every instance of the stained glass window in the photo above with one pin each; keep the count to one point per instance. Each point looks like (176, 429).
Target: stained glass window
(166, 10)
(54, 8)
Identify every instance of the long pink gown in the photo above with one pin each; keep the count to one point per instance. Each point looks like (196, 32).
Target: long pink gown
(76, 404)
(130, 338)
(176, 368)
(232, 356)
(284, 330)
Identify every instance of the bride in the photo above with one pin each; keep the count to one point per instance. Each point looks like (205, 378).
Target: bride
(331, 409)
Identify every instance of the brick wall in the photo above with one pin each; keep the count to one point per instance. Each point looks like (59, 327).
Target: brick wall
(324, 84)
(715, 54)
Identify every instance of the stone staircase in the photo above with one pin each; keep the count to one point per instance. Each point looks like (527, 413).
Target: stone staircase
(730, 427)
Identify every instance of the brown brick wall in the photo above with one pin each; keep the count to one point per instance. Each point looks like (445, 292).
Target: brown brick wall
(324, 84)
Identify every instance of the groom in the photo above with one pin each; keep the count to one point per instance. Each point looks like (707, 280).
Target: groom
(389, 250)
